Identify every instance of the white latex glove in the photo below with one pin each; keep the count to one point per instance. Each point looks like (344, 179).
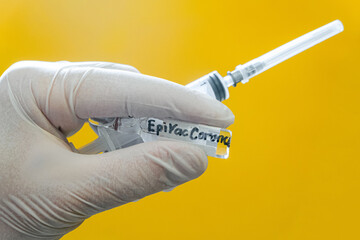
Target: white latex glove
(46, 189)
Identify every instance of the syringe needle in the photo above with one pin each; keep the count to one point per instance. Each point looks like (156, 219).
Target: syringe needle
(244, 72)
(217, 86)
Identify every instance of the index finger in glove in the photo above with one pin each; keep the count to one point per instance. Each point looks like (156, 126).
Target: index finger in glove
(96, 92)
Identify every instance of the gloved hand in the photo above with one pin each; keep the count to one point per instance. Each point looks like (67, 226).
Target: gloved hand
(46, 189)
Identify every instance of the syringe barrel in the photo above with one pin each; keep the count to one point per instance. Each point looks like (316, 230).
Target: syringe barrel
(289, 50)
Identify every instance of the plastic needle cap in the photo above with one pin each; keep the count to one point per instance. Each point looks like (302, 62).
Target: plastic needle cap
(288, 50)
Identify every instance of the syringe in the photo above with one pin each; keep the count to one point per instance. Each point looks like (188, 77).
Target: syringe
(116, 133)
(217, 86)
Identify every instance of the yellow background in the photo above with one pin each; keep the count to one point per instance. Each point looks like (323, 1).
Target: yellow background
(294, 169)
